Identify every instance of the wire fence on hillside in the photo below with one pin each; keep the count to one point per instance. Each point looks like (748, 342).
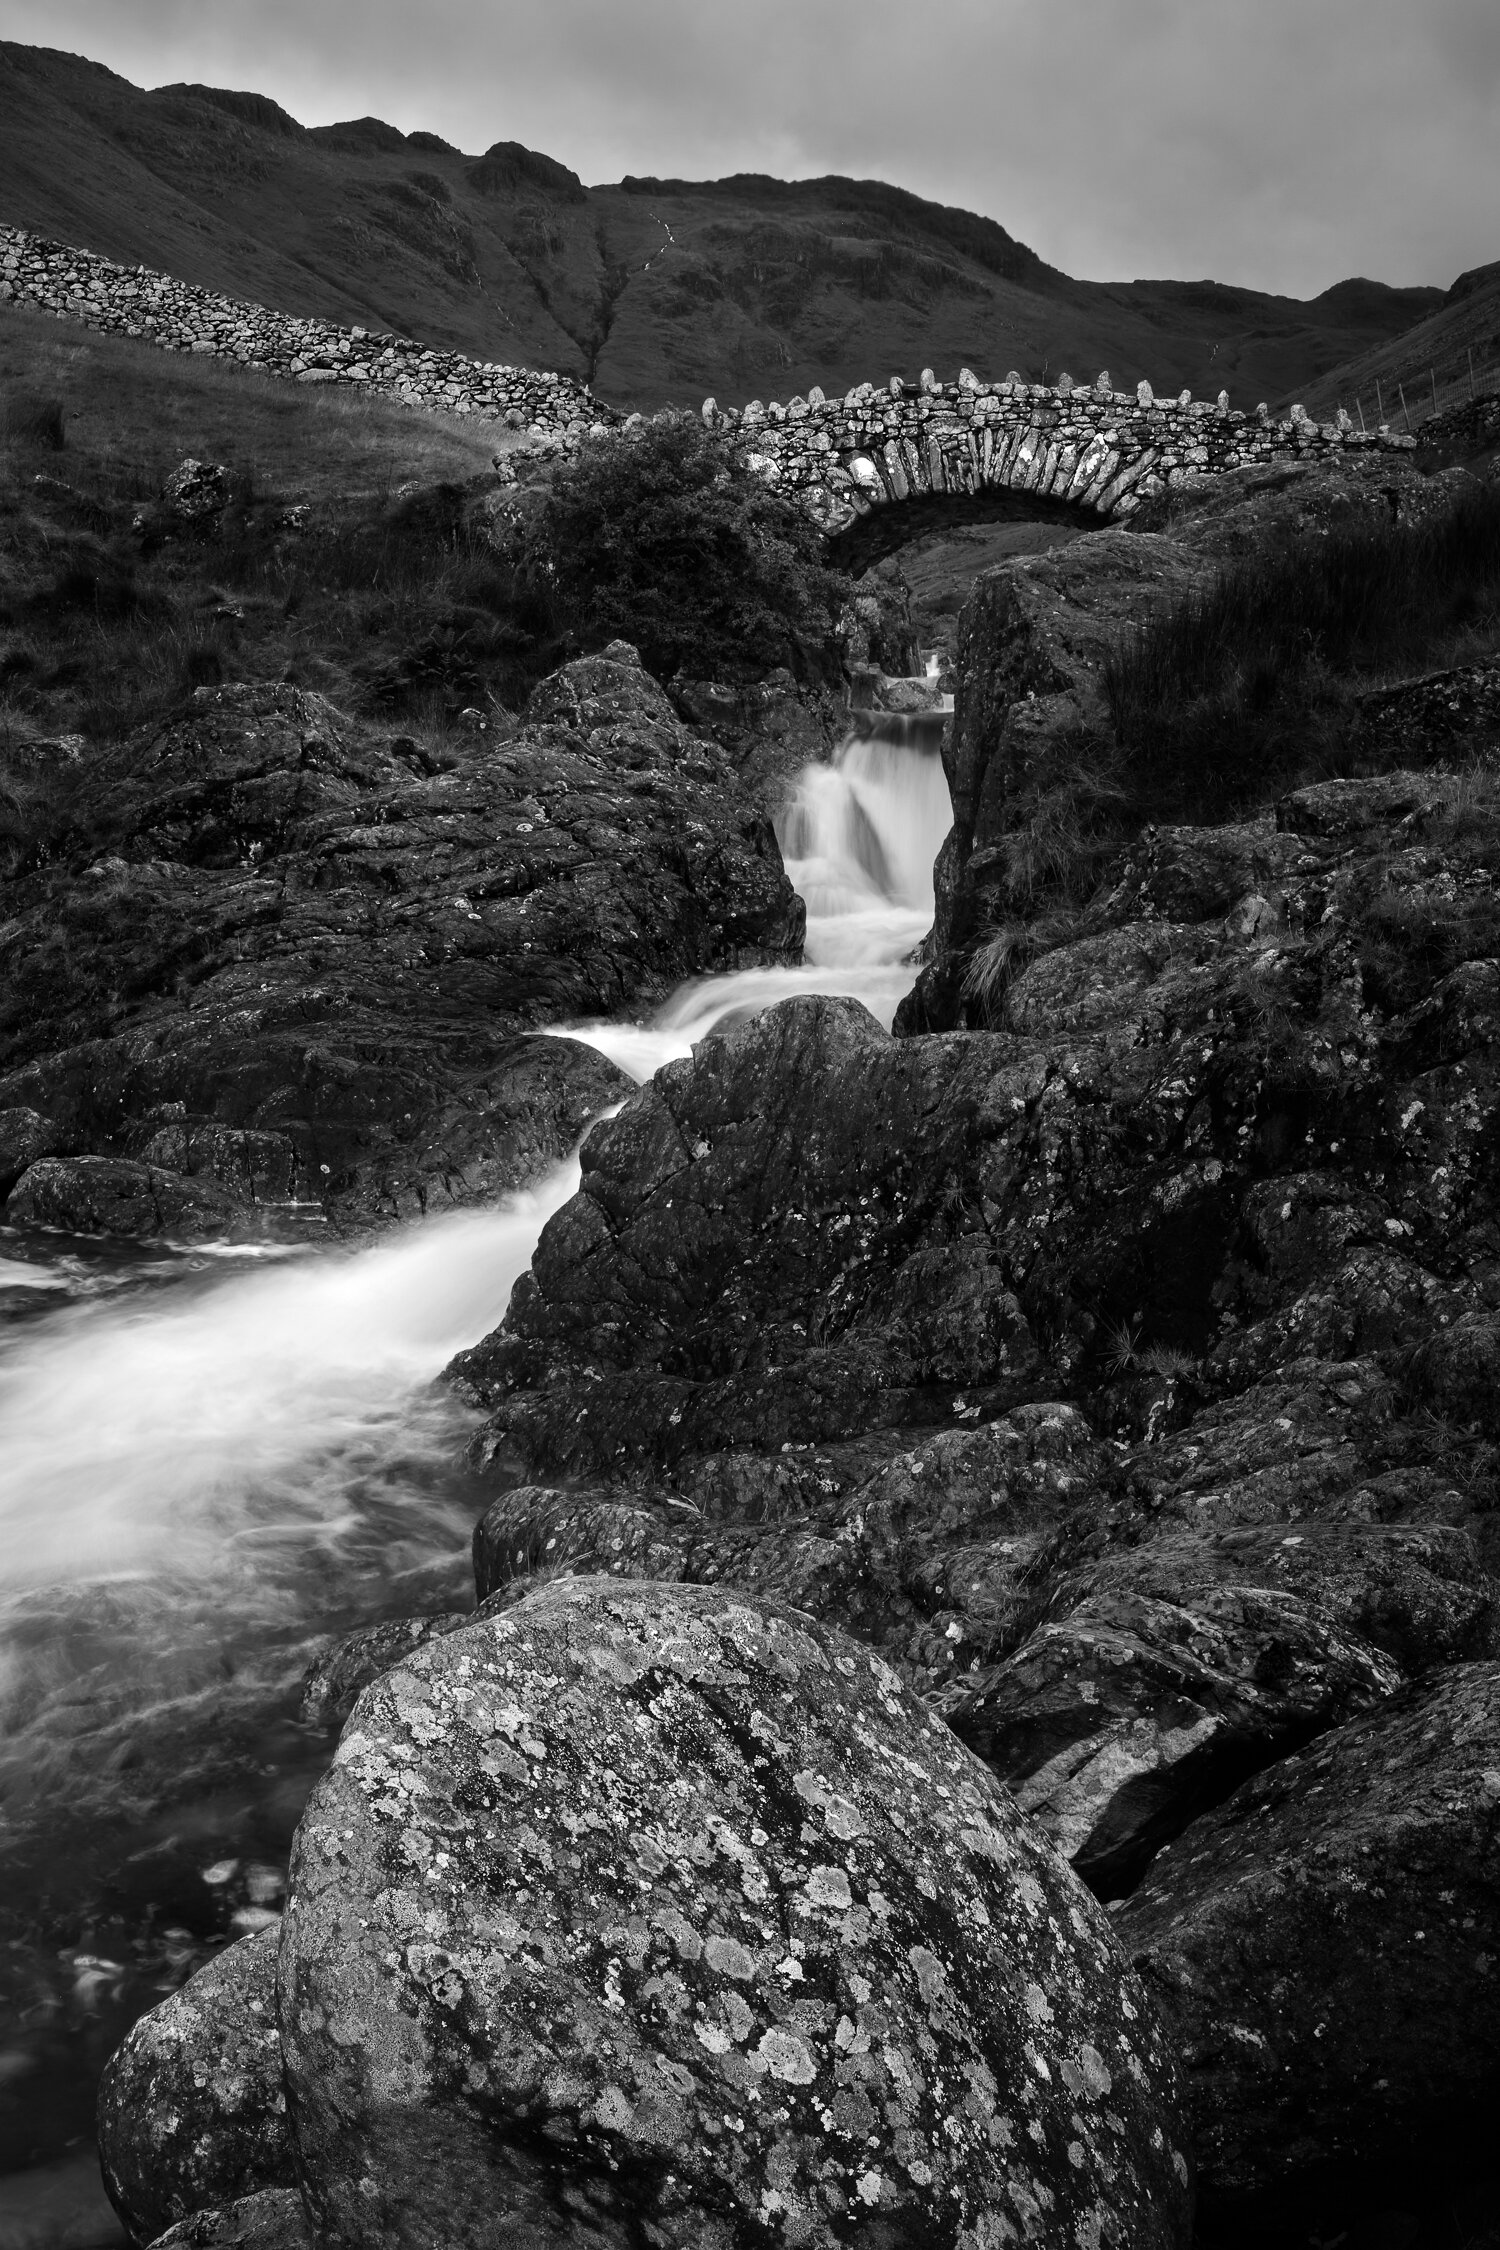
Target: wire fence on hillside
(1406, 397)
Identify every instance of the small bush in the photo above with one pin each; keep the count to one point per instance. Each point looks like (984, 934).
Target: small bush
(28, 419)
(661, 537)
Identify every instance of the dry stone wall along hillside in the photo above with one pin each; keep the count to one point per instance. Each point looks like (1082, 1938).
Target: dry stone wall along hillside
(1090, 447)
(134, 301)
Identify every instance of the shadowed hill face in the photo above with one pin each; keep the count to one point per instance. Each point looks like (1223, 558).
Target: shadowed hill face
(654, 291)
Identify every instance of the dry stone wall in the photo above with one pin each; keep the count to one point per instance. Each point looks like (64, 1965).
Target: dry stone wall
(1092, 446)
(135, 301)
(1088, 446)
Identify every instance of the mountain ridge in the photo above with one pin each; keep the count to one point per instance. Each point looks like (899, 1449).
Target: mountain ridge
(655, 291)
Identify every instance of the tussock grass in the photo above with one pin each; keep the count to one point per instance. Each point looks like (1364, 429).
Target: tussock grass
(1248, 689)
(26, 419)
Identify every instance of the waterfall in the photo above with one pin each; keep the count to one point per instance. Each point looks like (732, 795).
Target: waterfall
(859, 838)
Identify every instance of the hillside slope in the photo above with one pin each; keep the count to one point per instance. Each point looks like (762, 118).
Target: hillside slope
(1433, 362)
(654, 290)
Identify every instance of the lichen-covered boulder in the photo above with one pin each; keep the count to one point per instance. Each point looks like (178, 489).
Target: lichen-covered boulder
(191, 2110)
(1327, 1944)
(272, 2220)
(647, 1914)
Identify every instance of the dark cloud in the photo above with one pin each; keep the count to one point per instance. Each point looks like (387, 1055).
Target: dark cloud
(1285, 144)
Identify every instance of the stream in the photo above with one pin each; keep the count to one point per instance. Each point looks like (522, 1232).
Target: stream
(215, 1462)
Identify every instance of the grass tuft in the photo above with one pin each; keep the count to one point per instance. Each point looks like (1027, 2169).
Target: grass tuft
(29, 419)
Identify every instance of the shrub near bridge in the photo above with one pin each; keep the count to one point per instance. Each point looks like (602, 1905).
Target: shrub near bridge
(661, 536)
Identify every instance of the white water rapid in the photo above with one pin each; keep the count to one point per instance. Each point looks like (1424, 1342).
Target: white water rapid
(211, 1462)
(859, 838)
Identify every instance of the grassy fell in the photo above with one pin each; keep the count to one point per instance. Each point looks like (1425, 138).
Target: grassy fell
(345, 560)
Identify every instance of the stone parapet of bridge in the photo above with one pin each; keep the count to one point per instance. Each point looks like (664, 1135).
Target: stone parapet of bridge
(1088, 446)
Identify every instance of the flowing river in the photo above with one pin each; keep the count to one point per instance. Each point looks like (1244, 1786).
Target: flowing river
(214, 1463)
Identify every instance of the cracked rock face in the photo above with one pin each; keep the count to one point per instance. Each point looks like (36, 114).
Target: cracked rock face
(649, 1914)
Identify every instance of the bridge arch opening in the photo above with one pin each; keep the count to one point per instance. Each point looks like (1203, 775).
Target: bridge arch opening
(893, 524)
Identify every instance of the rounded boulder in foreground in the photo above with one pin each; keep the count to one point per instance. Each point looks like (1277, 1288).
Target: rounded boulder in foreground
(191, 2112)
(645, 1915)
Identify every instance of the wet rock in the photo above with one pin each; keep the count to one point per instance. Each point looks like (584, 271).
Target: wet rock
(191, 2108)
(273, 2220)
(1165, 1674)
(295, 938)
(770, 729)
(113, 1195)
(771, 1245)
(24, 1136)
(1118, 1722)
(337, 1678)
(1327, 1944)
(642, 1912)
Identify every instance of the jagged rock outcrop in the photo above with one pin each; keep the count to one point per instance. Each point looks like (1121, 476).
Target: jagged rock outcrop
(191, 2109)
(649, 1912)
(1327, 1945)
(285, 970)
(273, 2220)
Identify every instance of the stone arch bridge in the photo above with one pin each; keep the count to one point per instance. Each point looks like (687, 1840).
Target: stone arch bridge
(1085, 447)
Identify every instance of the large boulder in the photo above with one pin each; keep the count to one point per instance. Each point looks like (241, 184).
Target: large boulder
(191, 2108)
(770, 1246)
(651, 1914)
(1327, 1945)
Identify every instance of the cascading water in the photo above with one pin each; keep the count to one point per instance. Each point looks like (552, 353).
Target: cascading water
(210, 1463)
(859, 838)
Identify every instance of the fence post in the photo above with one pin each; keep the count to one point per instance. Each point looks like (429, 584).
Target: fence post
(1471, 370)
(1359, 402)
(1379, 402)
(1406, 410)
(1432, 378)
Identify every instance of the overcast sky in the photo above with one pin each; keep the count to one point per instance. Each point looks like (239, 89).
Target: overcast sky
(1284, 144)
